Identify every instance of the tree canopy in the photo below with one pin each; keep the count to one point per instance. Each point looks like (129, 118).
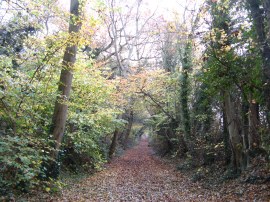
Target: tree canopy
(79, 85)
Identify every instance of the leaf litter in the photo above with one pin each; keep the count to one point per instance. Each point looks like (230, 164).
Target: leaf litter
(140, 175)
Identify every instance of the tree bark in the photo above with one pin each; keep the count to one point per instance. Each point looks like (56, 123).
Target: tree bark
(245, 123)
(258, 15)
(235, 137)
(114, 143)
(187, 65)
(64, 87)
(129, 127)
(266, 5)
(226, 137)
(254, 122)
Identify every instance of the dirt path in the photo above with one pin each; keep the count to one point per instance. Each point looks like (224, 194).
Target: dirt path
(137, 176)
(141, 176)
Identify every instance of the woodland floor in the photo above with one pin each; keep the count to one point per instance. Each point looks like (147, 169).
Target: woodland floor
(139, 175)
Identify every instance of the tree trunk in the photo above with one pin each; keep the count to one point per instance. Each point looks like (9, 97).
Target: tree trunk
(183, 148)
(245, 121)
(61, 108)
(258, 15)
(226, 137)
(254, 122)
(129, 127)
(114, 143)
(235, 137)
(64, 87)
(245, 130)
(187, 65)
(266, 5)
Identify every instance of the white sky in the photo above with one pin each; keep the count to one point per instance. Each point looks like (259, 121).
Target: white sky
(169, 7)
(165, 7)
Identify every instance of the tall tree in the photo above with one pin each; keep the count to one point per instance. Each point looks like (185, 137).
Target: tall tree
(219, 56)
(260, 14)
(64, 88)
(184, 95)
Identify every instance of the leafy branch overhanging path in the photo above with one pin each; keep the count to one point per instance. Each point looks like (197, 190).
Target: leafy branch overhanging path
(139, 175)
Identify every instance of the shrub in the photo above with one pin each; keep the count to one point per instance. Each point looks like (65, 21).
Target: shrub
(20, 162)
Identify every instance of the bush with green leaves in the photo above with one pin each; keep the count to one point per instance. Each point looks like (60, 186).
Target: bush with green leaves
(92, 118)
(20, 162)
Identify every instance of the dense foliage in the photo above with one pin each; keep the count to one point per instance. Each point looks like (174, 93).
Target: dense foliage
(196, 84)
